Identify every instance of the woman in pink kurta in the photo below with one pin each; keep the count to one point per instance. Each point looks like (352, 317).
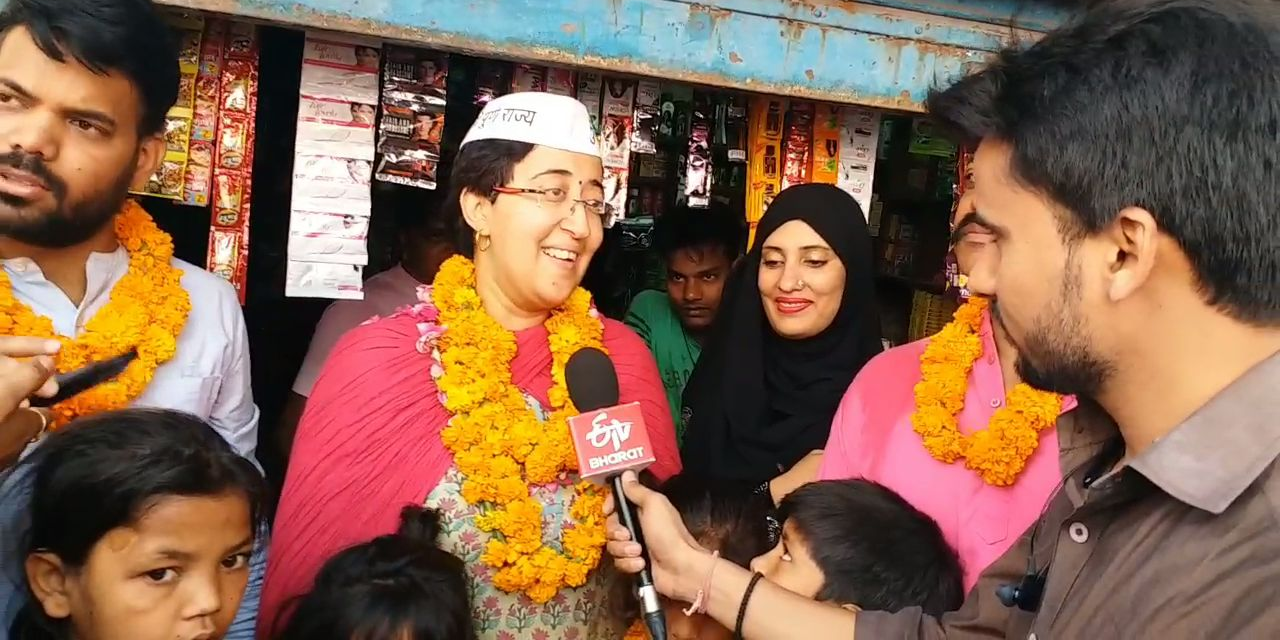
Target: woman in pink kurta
(369, 441)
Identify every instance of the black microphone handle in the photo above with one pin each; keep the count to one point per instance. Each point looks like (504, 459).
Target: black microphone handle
(74, 383)
(650, 606)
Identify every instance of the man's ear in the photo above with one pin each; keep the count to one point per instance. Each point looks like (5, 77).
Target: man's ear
(1131, 242)
(150, 155)
(49, 583)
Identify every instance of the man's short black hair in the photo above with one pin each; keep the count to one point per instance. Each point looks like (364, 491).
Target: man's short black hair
(875, 550)
(127, 37)
(686, 228)
(1168, 105)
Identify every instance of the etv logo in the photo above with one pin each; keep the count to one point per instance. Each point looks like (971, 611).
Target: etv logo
(611, 440)
(603, 433)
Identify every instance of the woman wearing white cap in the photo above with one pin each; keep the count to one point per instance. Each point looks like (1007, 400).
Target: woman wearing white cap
(460, 403)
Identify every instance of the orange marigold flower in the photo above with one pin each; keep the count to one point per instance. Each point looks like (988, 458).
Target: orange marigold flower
(501, 446)
(999, 453)
(147, 310)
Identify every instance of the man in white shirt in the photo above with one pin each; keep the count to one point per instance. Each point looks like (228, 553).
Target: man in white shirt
(84, 88)
(426, 241)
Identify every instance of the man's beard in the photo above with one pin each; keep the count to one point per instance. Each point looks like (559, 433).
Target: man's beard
(68, 224)
(1055, 355)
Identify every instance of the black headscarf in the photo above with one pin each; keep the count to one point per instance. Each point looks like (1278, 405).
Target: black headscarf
(757, 401)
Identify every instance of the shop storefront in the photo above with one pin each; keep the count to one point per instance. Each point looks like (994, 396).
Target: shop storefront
(879, 53)
(324, 118)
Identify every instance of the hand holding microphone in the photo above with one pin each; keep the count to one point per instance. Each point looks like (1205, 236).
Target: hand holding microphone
(27, 382)
(609, 440)
(26, 367)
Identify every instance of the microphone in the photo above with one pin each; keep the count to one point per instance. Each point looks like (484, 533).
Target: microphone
(76, 382)
(609, 439)
(1025, 595)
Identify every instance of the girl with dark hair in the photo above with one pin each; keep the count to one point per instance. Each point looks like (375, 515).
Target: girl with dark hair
(400, 586)
(140, 527)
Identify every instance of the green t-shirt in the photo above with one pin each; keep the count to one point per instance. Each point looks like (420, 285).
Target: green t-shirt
(652, 316)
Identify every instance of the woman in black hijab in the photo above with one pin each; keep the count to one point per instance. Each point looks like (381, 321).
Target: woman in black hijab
(765, 390)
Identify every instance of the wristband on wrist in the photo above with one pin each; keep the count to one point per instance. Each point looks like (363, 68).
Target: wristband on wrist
(742, 608)
(699, 604)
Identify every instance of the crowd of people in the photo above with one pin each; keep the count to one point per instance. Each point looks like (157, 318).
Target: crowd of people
(1088, 449)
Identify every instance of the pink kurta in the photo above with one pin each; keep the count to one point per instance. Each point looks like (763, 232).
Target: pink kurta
(872, 438)
(369, 441)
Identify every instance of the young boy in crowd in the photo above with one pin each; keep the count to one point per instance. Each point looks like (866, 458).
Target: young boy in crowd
(857, 544)
(699, 247)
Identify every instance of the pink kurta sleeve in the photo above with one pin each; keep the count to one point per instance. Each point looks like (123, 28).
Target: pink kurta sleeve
(367, 445)
(639, 381)
(840, 457)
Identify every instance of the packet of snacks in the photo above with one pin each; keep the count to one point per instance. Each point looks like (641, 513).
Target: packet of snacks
(231, 150)
(414, 90)
(799, 145)
(198, 183)
(764, 165)
(616, 123)
(168, 181)
(698, 169)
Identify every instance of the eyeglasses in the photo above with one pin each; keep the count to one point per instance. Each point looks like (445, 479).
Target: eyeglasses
(557, 198)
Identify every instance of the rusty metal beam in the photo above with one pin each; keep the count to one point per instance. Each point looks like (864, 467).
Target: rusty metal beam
(836, 50)
(1035, 15)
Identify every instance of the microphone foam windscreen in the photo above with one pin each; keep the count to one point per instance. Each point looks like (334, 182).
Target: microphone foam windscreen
(592, 380)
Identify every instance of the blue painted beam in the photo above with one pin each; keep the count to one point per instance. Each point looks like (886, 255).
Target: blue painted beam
(836, 50)
(1035, 15)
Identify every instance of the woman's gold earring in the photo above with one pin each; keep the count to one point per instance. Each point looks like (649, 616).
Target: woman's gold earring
(483, 241)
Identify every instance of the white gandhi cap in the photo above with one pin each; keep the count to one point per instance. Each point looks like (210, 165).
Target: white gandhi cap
(543, 119)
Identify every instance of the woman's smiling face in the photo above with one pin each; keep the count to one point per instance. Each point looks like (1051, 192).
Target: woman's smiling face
(535, 247)
(801, 281)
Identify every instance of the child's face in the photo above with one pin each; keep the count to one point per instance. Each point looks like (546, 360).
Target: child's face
(178, 573)
(694, 627)
(790, 566)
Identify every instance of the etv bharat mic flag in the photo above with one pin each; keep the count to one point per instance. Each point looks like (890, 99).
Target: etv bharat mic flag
(611, 440)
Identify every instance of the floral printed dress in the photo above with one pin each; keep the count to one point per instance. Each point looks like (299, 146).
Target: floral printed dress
(583, 613)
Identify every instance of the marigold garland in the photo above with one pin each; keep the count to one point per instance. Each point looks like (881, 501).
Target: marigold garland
(1000, 452)
(147, 309)
(500, 446)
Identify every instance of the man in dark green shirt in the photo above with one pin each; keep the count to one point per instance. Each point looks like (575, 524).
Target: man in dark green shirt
(700, 247)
